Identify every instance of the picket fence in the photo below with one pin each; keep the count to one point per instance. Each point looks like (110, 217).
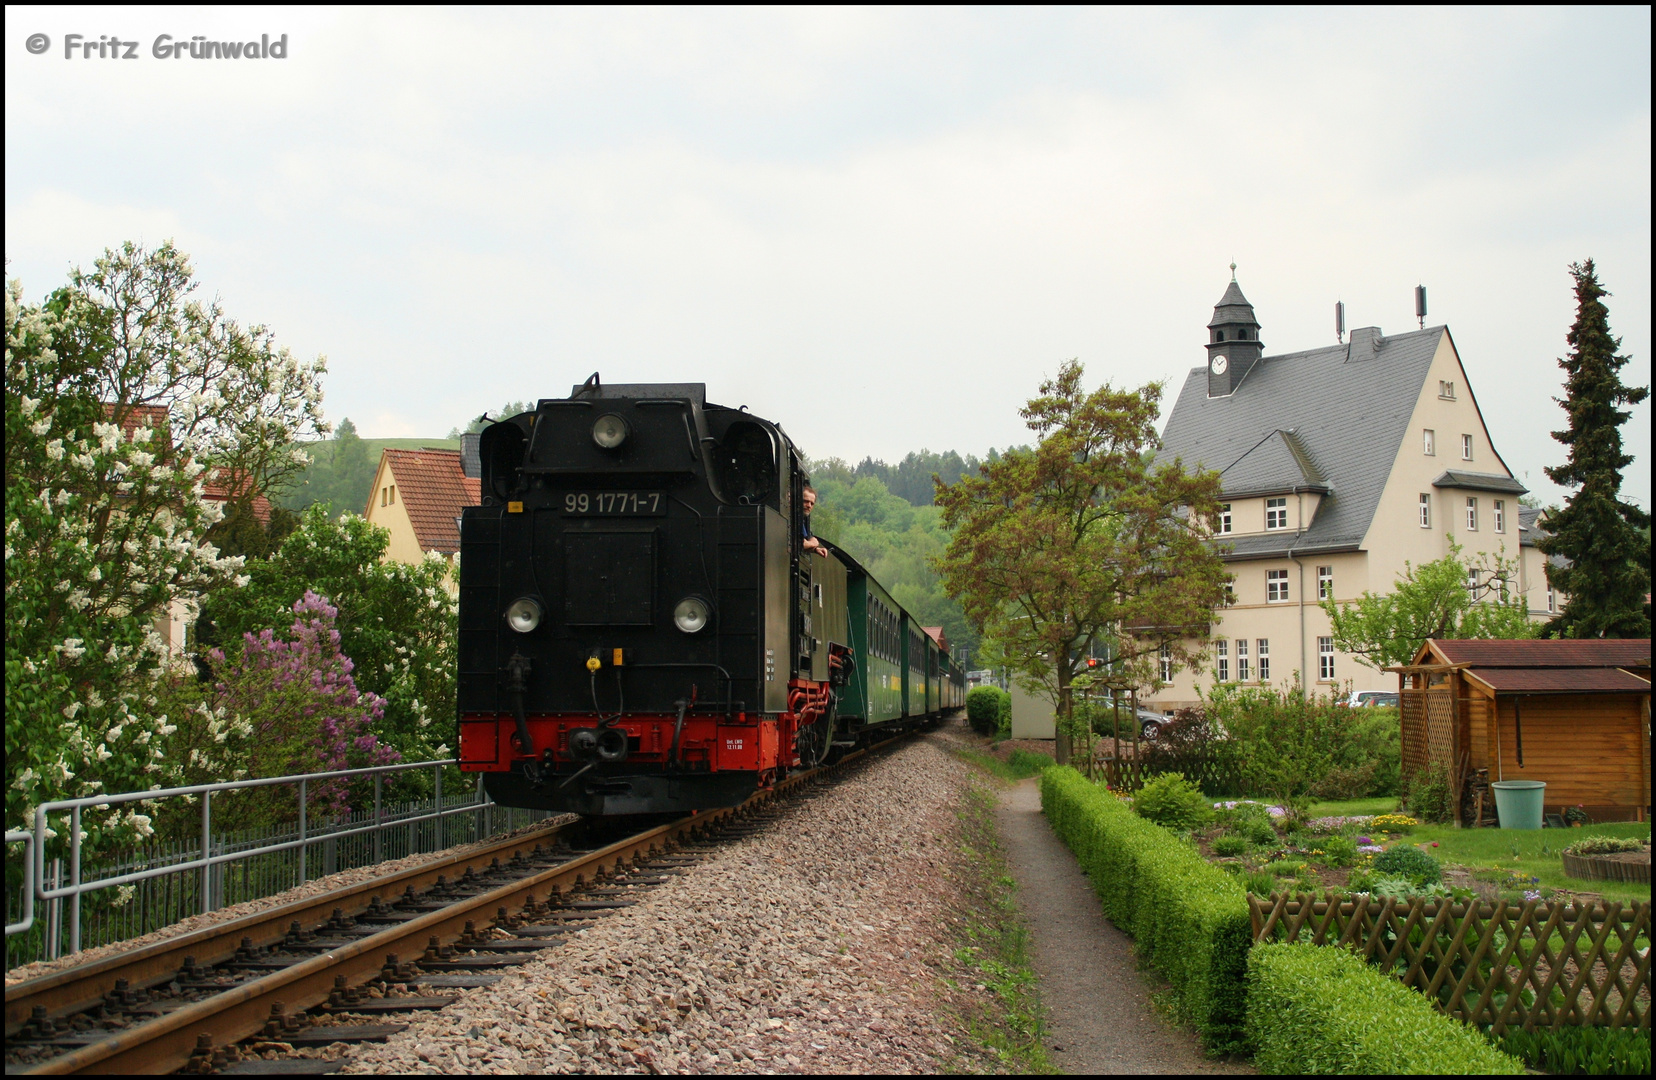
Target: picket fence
(1506, 965)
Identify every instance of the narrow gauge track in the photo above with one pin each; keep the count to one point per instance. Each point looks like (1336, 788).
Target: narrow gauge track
(184, 1000)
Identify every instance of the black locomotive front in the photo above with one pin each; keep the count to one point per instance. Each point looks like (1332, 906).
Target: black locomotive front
(627, 642)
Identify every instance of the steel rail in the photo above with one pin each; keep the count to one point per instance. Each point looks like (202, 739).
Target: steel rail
(78, 988)
(169, 1041)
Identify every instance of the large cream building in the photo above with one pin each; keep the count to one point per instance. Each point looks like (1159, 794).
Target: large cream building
(1338, 467)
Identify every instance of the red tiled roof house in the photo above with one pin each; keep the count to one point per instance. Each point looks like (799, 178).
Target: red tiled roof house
(1575, 714)
(418, 495)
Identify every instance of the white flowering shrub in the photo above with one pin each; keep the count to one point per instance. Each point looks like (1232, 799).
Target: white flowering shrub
(122, 395)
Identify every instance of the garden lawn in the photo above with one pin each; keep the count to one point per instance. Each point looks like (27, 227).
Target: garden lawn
(1382, 804)
(1493, 853)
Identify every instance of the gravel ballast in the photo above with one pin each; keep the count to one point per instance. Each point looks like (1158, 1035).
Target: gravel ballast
(819, 944)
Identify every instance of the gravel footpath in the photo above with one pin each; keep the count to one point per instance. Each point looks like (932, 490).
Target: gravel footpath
(817, 945)
(249, 907)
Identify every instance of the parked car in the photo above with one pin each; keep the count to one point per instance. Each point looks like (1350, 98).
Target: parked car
(1362, 698)
(1150, 722)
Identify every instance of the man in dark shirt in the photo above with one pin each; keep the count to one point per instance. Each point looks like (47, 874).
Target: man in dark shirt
(811, 543)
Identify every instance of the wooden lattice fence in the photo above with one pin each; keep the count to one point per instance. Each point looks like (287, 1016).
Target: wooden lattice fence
(1530, 965)
(1129, 774)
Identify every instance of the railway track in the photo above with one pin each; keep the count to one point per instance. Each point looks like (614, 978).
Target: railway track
(357, 954)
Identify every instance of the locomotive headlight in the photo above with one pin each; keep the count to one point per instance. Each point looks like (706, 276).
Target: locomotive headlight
(609, 431)
(524, 615)
(691, 614)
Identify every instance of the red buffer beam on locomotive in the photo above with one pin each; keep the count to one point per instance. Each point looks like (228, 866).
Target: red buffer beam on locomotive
(643, 628)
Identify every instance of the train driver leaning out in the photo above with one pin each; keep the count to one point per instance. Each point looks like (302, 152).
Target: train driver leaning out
(811, 543)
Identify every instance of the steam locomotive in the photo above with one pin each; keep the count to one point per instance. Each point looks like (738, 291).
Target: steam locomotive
(641, 628)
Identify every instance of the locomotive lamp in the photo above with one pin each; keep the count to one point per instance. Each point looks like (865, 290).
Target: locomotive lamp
(524, 614)
(609, 431)
(691, 614)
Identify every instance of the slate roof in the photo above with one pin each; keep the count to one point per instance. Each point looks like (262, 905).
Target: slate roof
(1278, 463)
(433, 491)
(1477, 481)
(1347, 418)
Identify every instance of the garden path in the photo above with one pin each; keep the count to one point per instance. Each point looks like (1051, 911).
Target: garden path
(1099, 1015)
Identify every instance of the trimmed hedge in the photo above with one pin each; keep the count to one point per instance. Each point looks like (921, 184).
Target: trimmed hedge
(1187, 917)
(1319, 1009)
(983, 708)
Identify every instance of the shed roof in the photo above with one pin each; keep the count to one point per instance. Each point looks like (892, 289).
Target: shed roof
(1534, 653)
(433, 491)
(1569, 680)
(1347, 418)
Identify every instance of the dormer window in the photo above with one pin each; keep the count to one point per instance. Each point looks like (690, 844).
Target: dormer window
(1276, 513)
(1224, 518)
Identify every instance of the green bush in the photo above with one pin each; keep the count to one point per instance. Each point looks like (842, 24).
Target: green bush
(1188, 918)
(1229, 846)
(1429, 795)
(1284, 744)
(1251, 821)
(1582, 1051)
(1408, 861)
(983, 708)
(1339, 850)
(1319, 1009)
(1260, 883)
(1173, 801)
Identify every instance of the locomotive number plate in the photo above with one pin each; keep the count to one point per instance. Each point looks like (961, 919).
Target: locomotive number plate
(615, 503)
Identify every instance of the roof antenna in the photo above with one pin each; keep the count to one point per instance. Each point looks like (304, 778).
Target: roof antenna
(1420, 305)
(1339, 321)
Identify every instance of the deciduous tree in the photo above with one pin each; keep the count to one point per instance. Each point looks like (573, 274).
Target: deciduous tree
(1604, 540)
(1085, 541)
(123, 395)
(1451, 597)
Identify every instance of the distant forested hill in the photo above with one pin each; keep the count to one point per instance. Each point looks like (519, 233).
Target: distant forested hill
(883, 516)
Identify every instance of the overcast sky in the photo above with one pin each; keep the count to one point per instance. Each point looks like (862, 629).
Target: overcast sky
(881, 228)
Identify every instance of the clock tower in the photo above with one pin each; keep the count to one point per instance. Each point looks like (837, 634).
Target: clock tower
(1233, 345)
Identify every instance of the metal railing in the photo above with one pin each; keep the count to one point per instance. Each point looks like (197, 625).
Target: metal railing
(268, 860)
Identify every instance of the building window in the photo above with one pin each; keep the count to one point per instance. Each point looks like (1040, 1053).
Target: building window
(1552, 599)
(1466, 447)
(1472, 583)
(1471, 514)
(1325, 583)
(1221, 651)
(1276, 586)
(1446, 389)
(1425, 510)
(383, 493)
(393, 494)
(1225, 518)
(1264, 654)
(1230, 593)
(1428, 441)
(1167, 663)
(1242, 659)
(1325, 659)
(1500, 515)
(1276, 513)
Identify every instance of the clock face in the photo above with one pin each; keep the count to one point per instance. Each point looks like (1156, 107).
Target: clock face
(1219, 364)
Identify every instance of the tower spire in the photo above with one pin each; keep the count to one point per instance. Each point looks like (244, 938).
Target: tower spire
(1233, 267)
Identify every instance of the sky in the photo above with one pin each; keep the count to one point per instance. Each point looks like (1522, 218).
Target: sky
(881, 228)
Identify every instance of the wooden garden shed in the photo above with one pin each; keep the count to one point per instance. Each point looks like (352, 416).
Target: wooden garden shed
(1575, 714)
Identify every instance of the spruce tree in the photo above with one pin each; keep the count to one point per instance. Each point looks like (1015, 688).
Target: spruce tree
(1606, 576)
